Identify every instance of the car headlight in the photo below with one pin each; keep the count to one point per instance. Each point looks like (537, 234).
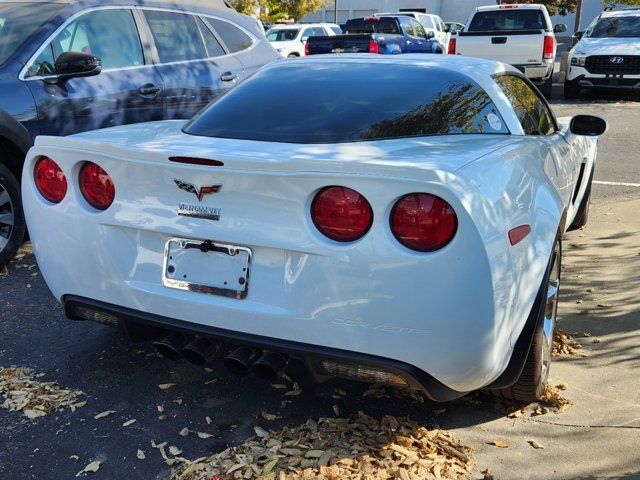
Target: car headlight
(578, 61)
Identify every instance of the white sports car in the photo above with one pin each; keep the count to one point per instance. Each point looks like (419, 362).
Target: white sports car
(390, 219)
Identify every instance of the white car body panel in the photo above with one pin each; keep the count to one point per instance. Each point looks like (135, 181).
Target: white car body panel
(454, 313)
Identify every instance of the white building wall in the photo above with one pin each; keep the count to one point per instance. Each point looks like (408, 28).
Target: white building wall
(449, 10)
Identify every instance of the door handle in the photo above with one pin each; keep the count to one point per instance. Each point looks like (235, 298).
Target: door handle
(228, 77)
(498, 40)
(149, 90)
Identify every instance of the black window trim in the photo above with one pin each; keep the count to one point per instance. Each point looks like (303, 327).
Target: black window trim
(145, 37)
(554, 120)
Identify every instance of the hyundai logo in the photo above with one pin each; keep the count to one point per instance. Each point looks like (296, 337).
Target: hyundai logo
(616, 59)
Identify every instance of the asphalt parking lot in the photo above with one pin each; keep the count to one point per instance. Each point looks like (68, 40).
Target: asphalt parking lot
(597, 437)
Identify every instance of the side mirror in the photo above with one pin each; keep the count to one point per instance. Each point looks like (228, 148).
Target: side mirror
(559, 28)
(588, 125)
(430, 35)
(578, 35)
(76, 64)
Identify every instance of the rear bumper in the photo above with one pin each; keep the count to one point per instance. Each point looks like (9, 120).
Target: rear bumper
(536, 72)
(415, 378)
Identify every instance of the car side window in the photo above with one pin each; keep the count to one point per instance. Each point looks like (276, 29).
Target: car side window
(111, 35)
(318, 32)
(214, 48)
(176, 36)
(43, 65)
(408, 27)
(307, 32)
(419, 29)
(534, 115)
(234, 38)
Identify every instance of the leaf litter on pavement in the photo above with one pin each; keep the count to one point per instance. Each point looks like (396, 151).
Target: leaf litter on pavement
(359, 447)
(565, 344)
(34, 398)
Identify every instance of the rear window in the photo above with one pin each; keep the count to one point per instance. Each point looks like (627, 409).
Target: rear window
(373, 25)
(506, 20)
(277, 104)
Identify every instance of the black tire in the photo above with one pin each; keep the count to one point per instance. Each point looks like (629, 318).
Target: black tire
(293, 55)
(582, 215)
(546, 87)
(532, 381)
(571, 90)
(12, 224)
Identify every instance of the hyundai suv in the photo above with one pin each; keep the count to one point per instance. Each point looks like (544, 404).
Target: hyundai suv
(70, 66)
(607, 55)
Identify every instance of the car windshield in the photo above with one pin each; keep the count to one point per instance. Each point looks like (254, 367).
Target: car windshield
(282, 34)
(387, 25)
(615, 27)
(505, 20)
(358, 101)
(18, 21)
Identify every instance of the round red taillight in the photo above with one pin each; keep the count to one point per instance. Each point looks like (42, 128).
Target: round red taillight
(96, 186)
(341, 214)
(50, 180)
(423, 222)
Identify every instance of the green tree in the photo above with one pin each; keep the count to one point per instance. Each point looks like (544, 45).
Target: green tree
(248, 7)
(292, 9)
(561, 7)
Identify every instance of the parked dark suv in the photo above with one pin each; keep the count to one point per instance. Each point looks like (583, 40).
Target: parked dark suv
(70, 66)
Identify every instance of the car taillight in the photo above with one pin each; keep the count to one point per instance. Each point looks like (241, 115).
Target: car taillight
(307, 48)
(423, 222)
(549, 50)
(341, 214)
(50, 180)
(452, 46)
(373, 46)
(96, 186)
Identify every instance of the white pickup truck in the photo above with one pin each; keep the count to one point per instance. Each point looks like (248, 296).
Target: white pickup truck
(521, 35)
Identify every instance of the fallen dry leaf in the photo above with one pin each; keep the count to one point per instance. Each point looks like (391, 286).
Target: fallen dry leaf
(208, 419)
(184, 432)
(90, 468)
(261, 432)
(336, 449)
(204, 435)
(160, 408)
(279, 386)
(175, 451)
(499, 443)
(269, 416)
(129, 422)
(535, 444)
(140, 454)
(605, 305)
(565, 344)
(104, 414)
(166, 386)
(22, 392)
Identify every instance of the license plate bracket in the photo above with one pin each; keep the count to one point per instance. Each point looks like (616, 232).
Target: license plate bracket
(205, 266)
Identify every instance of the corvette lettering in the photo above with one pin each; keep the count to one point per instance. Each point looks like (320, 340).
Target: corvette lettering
(199, 211)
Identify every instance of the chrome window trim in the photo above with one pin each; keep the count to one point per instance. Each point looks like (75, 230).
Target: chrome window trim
(23, 71)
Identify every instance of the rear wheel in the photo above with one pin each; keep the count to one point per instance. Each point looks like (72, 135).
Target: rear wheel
(12, 225)
(571, 89)
(293, 55)
(532, 382)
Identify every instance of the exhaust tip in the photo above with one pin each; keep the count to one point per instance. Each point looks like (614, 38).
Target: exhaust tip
(240, 360)
(270, 365)
(170, 346)
(198, 351)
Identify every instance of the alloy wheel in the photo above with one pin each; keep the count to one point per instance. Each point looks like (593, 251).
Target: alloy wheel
(550, 314)
(6, 217)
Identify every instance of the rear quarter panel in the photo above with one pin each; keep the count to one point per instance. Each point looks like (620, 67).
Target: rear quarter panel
(516, 190)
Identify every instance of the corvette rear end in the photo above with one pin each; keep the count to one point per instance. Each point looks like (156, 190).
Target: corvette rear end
(382, 260)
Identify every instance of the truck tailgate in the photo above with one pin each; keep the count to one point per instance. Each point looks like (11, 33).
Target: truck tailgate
(519, 47)
(358, 43)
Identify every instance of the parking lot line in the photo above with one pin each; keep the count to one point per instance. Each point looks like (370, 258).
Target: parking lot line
(617, 184)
